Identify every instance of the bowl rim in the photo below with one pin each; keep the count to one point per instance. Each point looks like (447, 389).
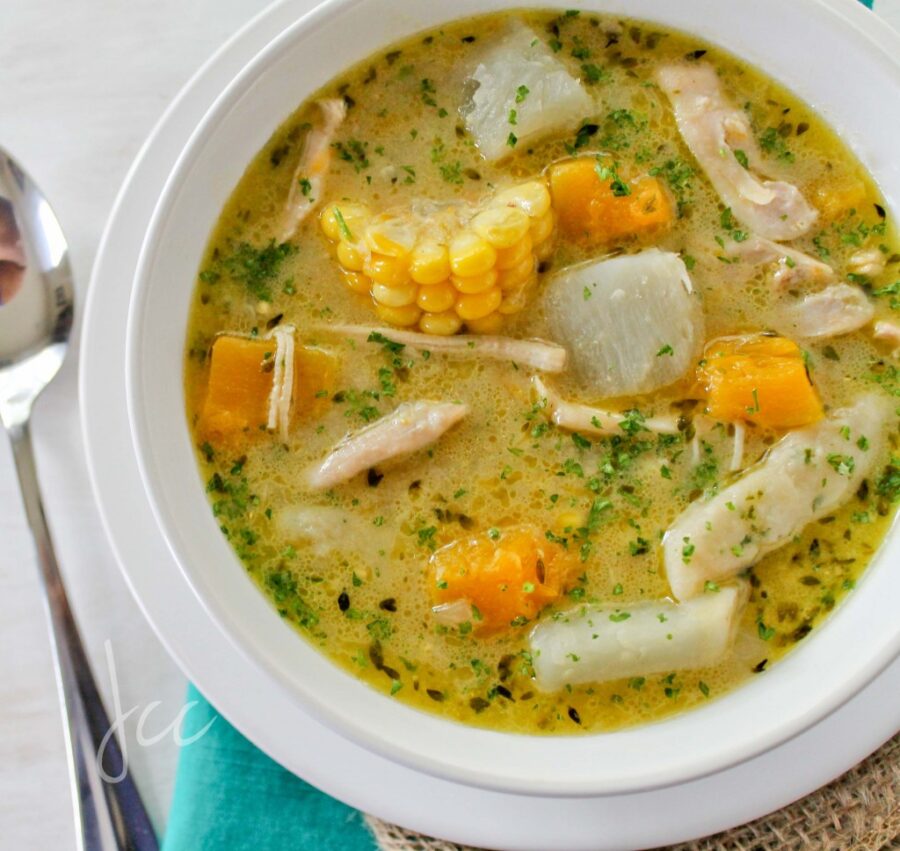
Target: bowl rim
(872, 31)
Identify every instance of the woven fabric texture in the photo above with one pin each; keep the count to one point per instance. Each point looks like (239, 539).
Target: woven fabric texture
(859, 811)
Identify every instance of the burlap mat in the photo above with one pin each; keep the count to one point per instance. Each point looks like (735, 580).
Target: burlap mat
(857, 812)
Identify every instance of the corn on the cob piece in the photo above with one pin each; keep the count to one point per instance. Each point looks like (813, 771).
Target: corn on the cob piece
(445, 267)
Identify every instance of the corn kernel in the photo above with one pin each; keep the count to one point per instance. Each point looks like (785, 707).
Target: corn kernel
(512, 278)
(390, 271)
(350, 257)
(436, 298)
(569, 520)
(542, 227)
(502, 227)
(532, 197)
(391, 236)
(400, 316)
(474, 283)
(357, 282)
(395, 296)
(443, 324)
(355, 217)
(490, 324)
(509, 257)
(430, 263)
(478, 305)
(470, 254)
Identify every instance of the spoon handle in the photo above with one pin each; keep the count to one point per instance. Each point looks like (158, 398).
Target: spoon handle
(108, 815)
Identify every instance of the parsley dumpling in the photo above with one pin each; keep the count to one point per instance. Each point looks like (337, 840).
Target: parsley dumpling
(520, 93)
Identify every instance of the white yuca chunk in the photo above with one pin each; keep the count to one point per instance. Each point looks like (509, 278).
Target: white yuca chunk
(836, 310)
(328, 530)
(412, 426)
(632, 324)
(520, 73)
(539, 354)
(715, 130)
(597, 643)
(590, 420)
(806, 475)
(793, 267)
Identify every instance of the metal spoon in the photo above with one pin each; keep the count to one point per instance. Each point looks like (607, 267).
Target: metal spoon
(36, 310)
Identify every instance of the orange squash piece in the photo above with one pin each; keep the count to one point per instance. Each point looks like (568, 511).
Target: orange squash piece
(509, 578)
(588, 209)
(240, 382)
(760, 379)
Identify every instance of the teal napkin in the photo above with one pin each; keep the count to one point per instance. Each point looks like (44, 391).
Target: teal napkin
(230, 796)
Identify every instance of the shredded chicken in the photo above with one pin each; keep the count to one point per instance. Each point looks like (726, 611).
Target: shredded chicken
(412, 426)
(452, 614)
(889, 333)
(308, 184)
(538, 354)
(793, 267)
(593, 644)
(808, 474)
(836, 310)
(584, 418)
(867, 261)
(717, 133)
(282, 393)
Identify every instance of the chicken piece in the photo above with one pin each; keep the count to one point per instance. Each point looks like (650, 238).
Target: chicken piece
(594, 644)
(412, 426)
(632, 324)
(836, 310)
(716, 131)
(282, 381)
(590, 420)
(538, 354)
(793, 268)
(308, 183)
(520, 75)
(889, 333)
(808, 474)
(867, 261)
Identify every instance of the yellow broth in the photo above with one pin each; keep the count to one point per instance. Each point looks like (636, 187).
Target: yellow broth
(364, 601)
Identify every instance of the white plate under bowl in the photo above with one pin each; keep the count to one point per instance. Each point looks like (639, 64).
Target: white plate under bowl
(257, 703)
(855, 644)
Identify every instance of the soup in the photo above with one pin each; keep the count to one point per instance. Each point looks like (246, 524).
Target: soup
(540, 371)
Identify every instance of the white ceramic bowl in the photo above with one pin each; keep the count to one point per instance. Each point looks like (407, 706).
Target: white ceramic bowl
(802, 44)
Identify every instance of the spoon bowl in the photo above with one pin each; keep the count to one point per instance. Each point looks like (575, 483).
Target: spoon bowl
(36, 316)
(36, 297)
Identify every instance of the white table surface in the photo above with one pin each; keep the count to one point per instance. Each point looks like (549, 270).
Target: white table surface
(81, 84)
